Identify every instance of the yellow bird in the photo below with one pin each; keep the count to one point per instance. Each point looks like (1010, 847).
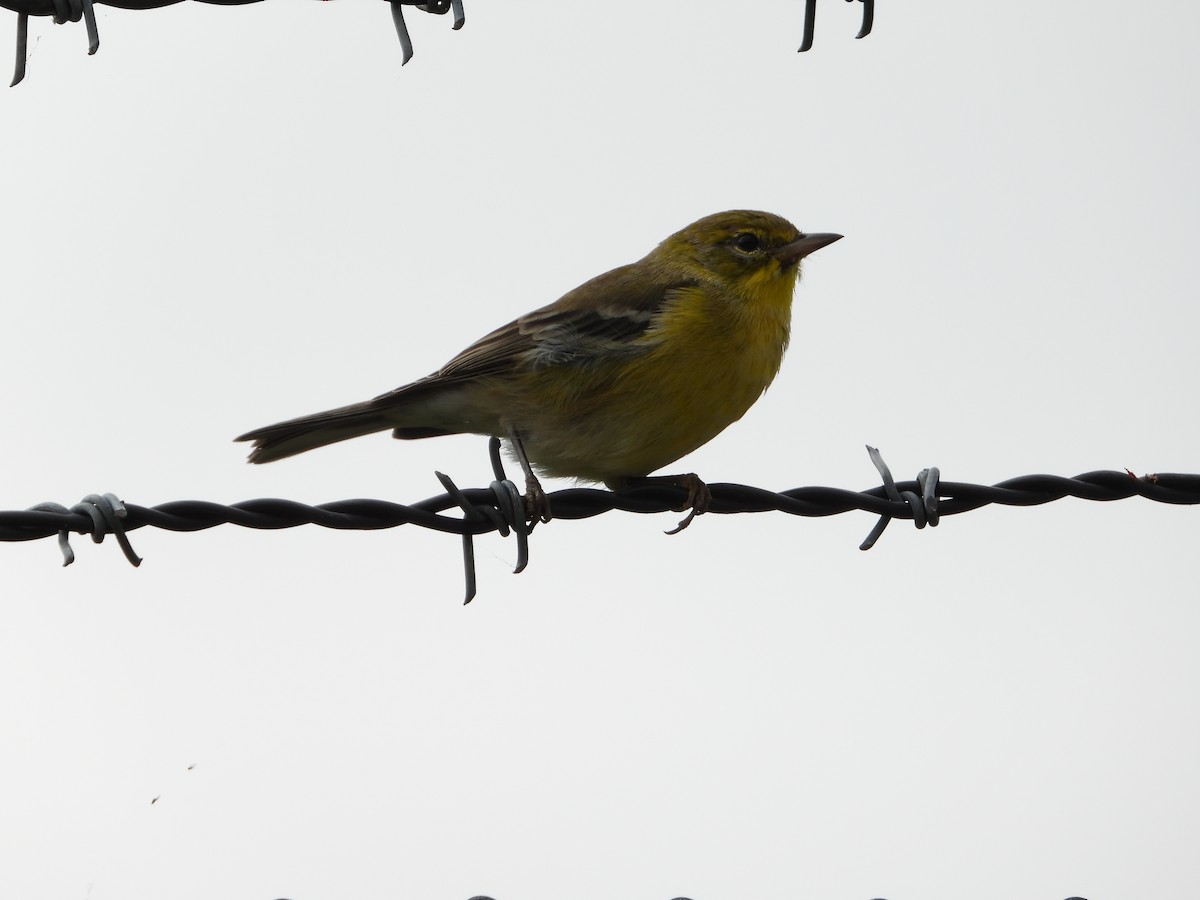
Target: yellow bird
(617, 378)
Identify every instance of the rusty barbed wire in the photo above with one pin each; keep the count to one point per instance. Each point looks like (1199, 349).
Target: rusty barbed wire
(500, 507)
(63, 11)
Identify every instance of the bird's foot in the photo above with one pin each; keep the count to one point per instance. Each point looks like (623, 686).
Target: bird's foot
(537, 504)
(697, 500)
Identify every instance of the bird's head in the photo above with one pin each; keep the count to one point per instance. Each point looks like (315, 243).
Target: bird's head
(747, 250)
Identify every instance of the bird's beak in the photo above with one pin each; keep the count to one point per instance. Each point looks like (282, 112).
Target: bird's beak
(790, 254)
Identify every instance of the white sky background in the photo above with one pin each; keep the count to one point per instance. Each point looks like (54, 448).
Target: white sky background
(234, 215)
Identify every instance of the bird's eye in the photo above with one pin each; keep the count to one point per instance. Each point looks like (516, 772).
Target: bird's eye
(747, 242)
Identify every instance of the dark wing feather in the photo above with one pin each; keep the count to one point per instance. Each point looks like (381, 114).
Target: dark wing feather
(603, 317)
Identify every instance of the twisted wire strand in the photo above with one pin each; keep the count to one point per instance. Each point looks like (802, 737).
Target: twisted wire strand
(583, 503)
(498, 509)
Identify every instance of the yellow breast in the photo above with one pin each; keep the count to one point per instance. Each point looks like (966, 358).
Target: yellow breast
(711, 355)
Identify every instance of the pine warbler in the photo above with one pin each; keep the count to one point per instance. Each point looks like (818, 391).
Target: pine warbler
(617, 378)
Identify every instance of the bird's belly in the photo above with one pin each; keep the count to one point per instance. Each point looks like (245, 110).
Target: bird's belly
(634, 423)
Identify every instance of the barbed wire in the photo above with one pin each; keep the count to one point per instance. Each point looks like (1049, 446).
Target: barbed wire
(63, 11)
(500, 507)
(482, 897)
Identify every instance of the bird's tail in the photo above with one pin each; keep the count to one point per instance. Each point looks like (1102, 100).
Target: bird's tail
(297, 435)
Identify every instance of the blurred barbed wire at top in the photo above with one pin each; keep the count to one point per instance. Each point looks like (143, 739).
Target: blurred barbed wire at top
(64, 11)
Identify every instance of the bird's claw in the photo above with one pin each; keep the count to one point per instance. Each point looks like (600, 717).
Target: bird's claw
(697, 501)
(537, 504)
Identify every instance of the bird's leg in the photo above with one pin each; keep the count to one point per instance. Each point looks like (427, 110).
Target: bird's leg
(698, 494)
(537, 504)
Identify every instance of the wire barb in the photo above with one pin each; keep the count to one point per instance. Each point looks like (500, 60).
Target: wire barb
(89, 18)
(923, 508)
(511, 502)
(439, 8)
(104, 514)
(22, 48)
(468, 540)
(810, 21)
(506, 515)
(406, 47)
(810, 18)
(64, 542)
(868, 20)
